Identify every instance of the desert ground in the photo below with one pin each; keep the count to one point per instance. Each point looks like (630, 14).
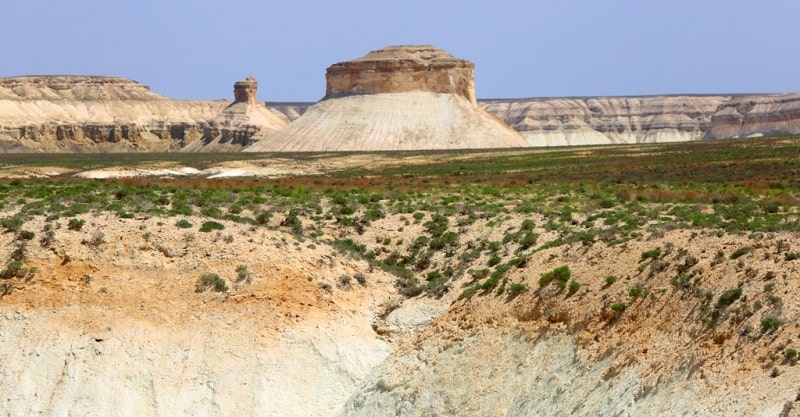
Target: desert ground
(619, 280)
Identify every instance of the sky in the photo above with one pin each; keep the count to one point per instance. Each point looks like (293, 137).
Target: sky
(198, 49)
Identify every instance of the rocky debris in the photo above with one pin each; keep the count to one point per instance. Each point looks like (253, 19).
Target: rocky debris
(396, 98)
(238, 124)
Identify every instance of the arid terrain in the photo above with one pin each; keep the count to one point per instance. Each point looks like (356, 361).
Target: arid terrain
(621, 280)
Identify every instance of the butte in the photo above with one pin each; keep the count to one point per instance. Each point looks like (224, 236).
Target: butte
(396, 98)
(239, 124)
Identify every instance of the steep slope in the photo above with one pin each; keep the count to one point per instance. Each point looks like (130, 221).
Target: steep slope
(112, 323)
(391, 121)
(690, 333)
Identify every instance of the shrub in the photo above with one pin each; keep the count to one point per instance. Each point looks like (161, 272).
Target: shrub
(652, 254)
(636, 291)
(729, 296)
(560, 274)
(243, 275)
(75, 224)
(469, 292)
(528, 240)
(26, 235)
(618, 306)
(574, 286)
(517, 288)
(494, 260)
(211, 281)
(790, 354)
(211, 225)
(611, 279)
(740, 252)
(791, 256)
(770, 323)
(183, 224)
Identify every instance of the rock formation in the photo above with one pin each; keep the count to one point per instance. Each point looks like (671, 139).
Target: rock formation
(397, 98)
(647, 119)
(237, 125)
(95, 114)
(399, 69)
(608, 120)
(756, 115)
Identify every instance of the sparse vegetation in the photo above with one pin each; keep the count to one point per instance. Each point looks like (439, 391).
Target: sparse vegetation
(211, 281)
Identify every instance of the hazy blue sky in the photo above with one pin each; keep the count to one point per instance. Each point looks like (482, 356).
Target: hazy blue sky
(196, 50)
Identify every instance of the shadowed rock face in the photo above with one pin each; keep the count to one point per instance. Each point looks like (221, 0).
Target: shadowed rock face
(396, 98)
(398, 69)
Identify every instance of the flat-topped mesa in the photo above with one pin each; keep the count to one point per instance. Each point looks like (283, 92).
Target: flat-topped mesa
(245, 91)
(397, 69)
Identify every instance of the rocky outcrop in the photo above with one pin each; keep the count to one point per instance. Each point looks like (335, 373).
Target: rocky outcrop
(756, 115)
(238, 124)
(107, 114)
(398, 69)
(397, 98)
(608, 120)
(95, 114)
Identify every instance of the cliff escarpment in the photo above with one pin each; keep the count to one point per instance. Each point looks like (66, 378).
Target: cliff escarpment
(108, 114)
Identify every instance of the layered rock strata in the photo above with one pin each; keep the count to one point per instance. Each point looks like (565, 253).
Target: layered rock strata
(236, 125)
(107, 114)
(608, 120)
(95, 114)
(397, 98)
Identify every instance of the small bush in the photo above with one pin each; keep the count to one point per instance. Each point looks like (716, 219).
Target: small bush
(361, 279)
(740, 252)
(651, 254)
(25, 235)
(791, 256)
(636, 291)
(494, 260)
(75, 224)
(611, 279)
(469, 292)
(183, 224)
(618, 307)
(243, 275)
(791, 355)
(729, 296)
(211, 225)
(770, 323)
(517, 288)
(574, 286)
(560, 274)
(211, 281)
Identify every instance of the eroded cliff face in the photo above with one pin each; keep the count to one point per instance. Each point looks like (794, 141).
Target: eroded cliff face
(398, 69)
(756, 116)
(608, 120)
(106, 114)
(398, 98)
